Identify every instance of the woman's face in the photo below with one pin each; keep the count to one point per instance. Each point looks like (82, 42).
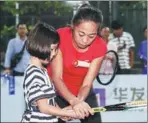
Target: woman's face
(84, 34)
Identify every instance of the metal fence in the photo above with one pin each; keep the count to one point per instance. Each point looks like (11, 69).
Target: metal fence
(55, 21)
(134, 21)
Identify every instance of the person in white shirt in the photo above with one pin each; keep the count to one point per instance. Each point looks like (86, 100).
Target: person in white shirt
(125, 43)
(15, 46)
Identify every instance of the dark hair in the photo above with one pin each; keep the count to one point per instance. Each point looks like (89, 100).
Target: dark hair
(116, 24)
(40, 39)
(87, 13)
(144, 28)
(84, 5)
(21, 23)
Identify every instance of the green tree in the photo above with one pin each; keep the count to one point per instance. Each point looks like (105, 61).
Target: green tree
(133, 4)
(35, 8)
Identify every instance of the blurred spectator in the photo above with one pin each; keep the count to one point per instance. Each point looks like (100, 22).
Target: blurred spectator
(142, 53)
(15, 45)
(125, 44)
(105, 32)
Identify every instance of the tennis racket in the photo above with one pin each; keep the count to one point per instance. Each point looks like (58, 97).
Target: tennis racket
(108, 68)
(122, 106)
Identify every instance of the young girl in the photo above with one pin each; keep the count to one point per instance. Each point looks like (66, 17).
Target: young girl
(39, 92)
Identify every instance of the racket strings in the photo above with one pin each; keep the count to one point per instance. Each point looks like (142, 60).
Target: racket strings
(108, 64)
(108, 68)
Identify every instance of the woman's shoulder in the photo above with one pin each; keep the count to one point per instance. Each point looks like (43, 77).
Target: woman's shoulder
(99, 47)
(65, 36)
(99, 42)
(64, 30)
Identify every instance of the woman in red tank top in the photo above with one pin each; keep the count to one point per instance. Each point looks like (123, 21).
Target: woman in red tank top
(75, 67)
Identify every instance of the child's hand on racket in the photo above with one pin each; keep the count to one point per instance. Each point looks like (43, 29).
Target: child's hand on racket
(71, 113)
(66, 118)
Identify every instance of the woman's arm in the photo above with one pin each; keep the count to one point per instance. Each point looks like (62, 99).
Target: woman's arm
(81, 108)
(57, 71)
(86, 86)
(89, 78)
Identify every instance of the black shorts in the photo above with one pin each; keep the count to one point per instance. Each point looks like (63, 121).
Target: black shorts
(91, 100)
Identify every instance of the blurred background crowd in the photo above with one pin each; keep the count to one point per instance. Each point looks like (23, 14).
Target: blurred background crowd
(124, 23)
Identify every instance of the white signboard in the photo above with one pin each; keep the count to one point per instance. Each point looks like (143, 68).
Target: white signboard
(124, 88)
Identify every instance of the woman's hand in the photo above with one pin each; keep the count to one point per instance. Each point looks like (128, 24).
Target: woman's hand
(82, 109)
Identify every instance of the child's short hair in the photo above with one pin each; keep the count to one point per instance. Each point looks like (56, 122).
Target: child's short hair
(40, 39)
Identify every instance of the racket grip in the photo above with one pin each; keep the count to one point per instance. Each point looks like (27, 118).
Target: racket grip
(99, 109)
